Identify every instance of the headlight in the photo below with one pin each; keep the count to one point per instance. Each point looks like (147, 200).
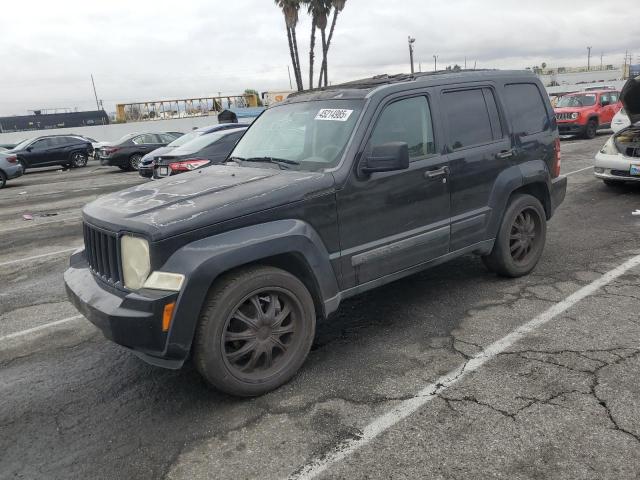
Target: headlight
(136, 263)
(574, 115)
(609, 148)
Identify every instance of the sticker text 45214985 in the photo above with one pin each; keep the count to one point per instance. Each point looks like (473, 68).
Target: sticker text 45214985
(335, 114)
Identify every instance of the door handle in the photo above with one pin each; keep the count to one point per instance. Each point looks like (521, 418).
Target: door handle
(439, 172)
(505, 154)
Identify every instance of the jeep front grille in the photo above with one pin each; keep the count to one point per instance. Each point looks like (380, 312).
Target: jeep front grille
(563, 116)
(102, 252)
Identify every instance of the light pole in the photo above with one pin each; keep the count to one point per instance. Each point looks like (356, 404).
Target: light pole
(411, 42)
(588, 59)
(435, 63)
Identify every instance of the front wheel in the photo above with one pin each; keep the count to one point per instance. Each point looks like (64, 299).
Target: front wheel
(591, 129)
(134, 161)
(521, 238)
(255, 331)
(79, 160)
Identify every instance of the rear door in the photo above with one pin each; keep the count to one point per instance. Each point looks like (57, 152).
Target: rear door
(479, 149)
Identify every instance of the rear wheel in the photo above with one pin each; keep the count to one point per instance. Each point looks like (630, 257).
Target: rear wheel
(591, 129)
(79, 160)
(134, 161)
(3, 179)
(521, 238)
(255, 331)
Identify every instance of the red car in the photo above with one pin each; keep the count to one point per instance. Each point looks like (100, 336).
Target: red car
(584, 113)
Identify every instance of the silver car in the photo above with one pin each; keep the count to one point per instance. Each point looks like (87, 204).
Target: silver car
(618, 160)
(9, 167)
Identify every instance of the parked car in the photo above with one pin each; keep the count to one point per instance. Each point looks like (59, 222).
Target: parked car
(127, 152)
(585, 112)
(203, 151)
(146, 164)
(65, 150)
(620, 121)
(618, 161)
(330, 193)
(9, 168)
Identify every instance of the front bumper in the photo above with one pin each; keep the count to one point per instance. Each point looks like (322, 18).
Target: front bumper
(130, 319)
(570, 128)
(558, 191)
(615, 167)
(146, 172)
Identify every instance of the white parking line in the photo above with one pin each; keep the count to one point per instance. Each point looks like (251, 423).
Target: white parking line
(40, 223)
(407, 407)
(28, 259)
(578, 171)
(45, 326)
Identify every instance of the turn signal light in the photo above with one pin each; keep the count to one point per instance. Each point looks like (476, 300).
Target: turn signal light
(167, 315)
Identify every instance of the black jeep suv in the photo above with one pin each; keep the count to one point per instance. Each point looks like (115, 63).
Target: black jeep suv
(328, 194)
(66, 150)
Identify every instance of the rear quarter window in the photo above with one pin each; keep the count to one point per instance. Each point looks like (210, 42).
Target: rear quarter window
(526, 108)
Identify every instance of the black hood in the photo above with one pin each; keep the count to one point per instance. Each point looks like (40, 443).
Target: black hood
(202, 198)
(630, 98)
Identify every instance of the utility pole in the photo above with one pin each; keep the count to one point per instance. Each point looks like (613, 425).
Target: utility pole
(411, 42)
(94, 92)
(435, 63)
(420, 67)
(465, 62)
(601, 54)
(289, 72)
(588, 59)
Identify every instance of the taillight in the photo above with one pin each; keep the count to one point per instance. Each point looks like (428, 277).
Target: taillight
(557, 159)
(187, 165)
(12, 159)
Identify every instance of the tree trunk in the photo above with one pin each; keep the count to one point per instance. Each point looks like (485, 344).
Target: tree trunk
(312, 44)
(293, 58)
(324, 59)
(295, 49)
(324, 55)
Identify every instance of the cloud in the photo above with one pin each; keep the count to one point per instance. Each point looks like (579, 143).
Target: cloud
(146, 50)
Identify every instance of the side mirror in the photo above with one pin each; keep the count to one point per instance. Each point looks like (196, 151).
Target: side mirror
(386, 158)
(29, 149)
(604, 103)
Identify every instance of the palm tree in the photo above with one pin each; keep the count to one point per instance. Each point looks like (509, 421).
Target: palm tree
(290, 10)
(338, 6)
(321, 9)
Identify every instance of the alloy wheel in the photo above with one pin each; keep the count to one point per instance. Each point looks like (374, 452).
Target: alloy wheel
(525, 235)
(261, 334)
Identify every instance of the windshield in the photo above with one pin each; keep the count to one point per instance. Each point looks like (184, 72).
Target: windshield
(185, 138)
(585, 100)
(311, 134)
(198, 143)
(22, 144)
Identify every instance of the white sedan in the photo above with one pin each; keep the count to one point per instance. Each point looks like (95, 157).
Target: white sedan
(618, 160)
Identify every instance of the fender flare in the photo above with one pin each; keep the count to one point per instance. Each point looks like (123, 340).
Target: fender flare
(203, 261)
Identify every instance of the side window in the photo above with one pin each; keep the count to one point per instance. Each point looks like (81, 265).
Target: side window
(526, 109)
(467, 118)
(166, 138)
(605, 99)
(614, 97)
(409, 121)
(145, 138)
(41, 144)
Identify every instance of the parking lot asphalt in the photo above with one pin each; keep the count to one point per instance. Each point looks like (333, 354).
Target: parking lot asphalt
(453, 373)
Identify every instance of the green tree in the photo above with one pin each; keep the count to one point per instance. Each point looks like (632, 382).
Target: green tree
(290, 10)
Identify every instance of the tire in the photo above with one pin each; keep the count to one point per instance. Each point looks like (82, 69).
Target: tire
(591, 129)
(512, 256)
(3, 179)
(242, 366)
(134, 161)
(78, 160)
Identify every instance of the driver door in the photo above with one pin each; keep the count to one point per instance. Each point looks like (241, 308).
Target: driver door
(392, 221)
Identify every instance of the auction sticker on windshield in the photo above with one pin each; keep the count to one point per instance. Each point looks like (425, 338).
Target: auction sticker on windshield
(336, 114)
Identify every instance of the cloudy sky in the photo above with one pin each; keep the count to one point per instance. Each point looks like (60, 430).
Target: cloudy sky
(156, 49)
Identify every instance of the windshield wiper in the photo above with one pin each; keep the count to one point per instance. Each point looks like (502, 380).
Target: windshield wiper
(281, 162)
